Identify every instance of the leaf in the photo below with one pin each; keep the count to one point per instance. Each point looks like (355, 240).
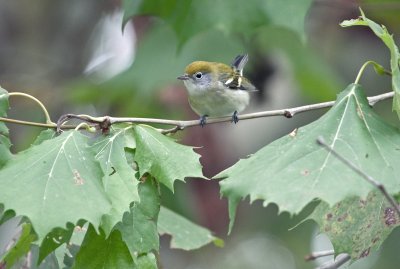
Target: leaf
(187, 18)
(54, 183)
(20, 249)
(66, 253)
(139, 226)
(147, 261)
(185, 234)
(44, 135)
(357, 226)
(293, 170)
(5, 143)
(55, 239)
(119, 179)
(163, 158)
(98, 252)
(381, 32)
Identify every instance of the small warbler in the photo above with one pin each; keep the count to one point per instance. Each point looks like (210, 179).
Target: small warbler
(216, 89)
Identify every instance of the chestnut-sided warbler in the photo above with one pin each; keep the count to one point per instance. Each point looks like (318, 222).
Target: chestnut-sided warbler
(216, 89)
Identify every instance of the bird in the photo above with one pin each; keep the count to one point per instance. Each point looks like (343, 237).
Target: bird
(217, 89)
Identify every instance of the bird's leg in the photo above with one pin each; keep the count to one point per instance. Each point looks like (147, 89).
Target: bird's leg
(235, 118)
(203, 120)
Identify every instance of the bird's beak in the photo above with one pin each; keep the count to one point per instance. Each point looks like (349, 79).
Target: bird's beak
(183, 77)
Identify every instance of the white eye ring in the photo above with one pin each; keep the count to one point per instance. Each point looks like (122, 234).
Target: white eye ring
(198, 75)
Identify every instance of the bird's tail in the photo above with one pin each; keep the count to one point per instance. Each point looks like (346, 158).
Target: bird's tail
(239, 62)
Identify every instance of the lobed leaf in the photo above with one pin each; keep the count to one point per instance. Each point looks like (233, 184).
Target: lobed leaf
(381, 32)
(5, 143)
(293, 170)
(163, 158)
(98, 252)
(185, 234)
(139, 226)
(357, 226)
(119, 179)
(21, 247)
(55, 182)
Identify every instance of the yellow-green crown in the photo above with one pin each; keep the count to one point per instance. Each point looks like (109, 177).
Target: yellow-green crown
(207, 67)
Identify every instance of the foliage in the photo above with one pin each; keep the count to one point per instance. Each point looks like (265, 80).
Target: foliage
(357, 226)
(92, 201)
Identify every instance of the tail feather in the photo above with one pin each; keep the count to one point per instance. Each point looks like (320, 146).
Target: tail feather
(239, 62)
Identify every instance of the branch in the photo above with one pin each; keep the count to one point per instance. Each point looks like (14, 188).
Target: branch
(318, 254)
(106, 121)
(368, 178)
(340, 260)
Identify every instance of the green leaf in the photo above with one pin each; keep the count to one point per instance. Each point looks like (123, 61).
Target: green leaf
(55, 239)
(139, 226)
(98, 252)
(147, 261)
(119, 179)
(187, 18)
(44, 135)
(185, 234)
(293, 170)
(56, 182)
(381, 32)
(357, 226)
(20, 249)
(5, 143)
(163, 158)
(66, 253)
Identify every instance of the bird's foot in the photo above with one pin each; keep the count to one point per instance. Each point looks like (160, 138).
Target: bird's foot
(235, 118)
(203, 120)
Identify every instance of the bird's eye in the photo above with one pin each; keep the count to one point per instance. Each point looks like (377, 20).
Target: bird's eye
(199, 75)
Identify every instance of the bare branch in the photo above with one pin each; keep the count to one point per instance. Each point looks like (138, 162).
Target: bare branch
(368, 178)
(339, 261)
(180, 124)
(319, 254)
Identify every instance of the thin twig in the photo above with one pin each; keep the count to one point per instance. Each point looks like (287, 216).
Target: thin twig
(37, 101)
(318, 254)
(180, 125)
(339, 261)
(37, 124)
(368, 178)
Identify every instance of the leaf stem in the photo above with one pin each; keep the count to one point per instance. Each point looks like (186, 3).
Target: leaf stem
(46, 113)
(368, 178)
(378, 68)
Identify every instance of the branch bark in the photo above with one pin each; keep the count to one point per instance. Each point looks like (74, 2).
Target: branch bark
(181, 124)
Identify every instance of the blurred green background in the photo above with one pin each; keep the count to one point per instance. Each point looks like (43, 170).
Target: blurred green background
(73, 57)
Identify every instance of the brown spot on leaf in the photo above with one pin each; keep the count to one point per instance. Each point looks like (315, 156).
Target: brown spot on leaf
(305, 172)
(365, 253)
(342, 217)
(329, 216)
(390, 217)
(363, 203)
(375, 240)
(327, 228)
(77, 177)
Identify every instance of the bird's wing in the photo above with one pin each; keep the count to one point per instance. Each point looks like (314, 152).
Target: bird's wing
(236, 82)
